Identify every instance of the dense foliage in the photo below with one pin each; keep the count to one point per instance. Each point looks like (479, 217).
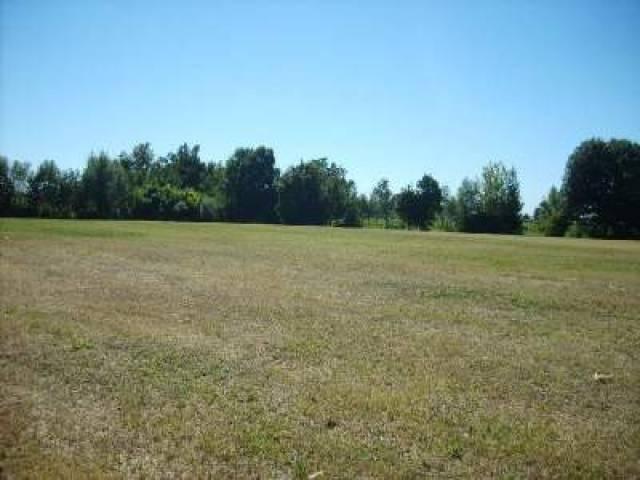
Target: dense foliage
(600, 193)
(418, 206)
(250, 185)
(602, 187)
(599, 196)
(489, 204)
(381, 202)
(550, 216)
(317, 193)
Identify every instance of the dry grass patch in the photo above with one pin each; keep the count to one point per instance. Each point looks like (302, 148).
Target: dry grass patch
(137, 349)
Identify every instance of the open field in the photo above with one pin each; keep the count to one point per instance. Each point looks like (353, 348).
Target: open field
(160, 350)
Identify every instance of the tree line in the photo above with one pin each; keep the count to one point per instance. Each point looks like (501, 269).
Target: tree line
(599, 195)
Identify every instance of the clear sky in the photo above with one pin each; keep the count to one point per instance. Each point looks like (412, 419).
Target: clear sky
(393, 88)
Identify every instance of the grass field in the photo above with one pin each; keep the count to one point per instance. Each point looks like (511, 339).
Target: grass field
(161, 350)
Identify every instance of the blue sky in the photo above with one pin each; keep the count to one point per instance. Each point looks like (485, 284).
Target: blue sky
(394, 89)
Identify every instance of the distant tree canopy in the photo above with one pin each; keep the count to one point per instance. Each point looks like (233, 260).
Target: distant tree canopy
(6, 187)
(317, 193)
(188, 170)
(602, 187)
(600, 193)
(138, 163)
(489, 204)
(166, 202)
(19, 175)
(551, 216)
(250, 185)
(381, 202)
(104, 188)
(599, 196)
(418, 206)
(45, 189)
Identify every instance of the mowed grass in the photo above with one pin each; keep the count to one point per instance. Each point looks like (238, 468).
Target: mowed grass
(164, 350)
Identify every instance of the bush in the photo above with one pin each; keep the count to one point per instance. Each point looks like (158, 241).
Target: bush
(577, 230)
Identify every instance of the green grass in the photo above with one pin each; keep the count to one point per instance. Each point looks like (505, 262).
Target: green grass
(143, 349)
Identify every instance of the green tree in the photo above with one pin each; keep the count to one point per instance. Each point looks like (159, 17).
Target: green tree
(6, 187)
(303, 194)
(418, 206)
(20, 175)
(161, 172)
(492, 203)
(364, 206)
(602, 186)
(213, 200)
(250, 185)
(352, 213)
(501, 202)
(343, 196)
(104, 188)
(446, 219)
(430, 197)
(166, 202)
(317, 193)
(189, 170)
(407, 206)
(382, 201)
(213, 184)
(69, 193)
(45, 190)
(138, 163)
(468, 206)
(550, 217)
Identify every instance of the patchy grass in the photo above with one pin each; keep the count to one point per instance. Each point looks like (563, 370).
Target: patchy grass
(138, 349)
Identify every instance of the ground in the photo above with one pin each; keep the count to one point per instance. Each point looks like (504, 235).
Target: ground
(164, 350)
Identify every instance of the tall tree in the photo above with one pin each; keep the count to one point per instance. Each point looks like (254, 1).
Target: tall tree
(407, 206)
(492, 203)
(550, 217)
(316, 193)
(430, 196)
(303, 194)
(446, 218)
(20, 174)
(602, 185)
(104, 188)
(69, 193)
(501, 199)
(6, 187)
(138, 163)
(382, 200)
(213, 199)
(418, 206)
(468, 206)
(190, 171)
(45, 188)
(365, 206)
(250, 185)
